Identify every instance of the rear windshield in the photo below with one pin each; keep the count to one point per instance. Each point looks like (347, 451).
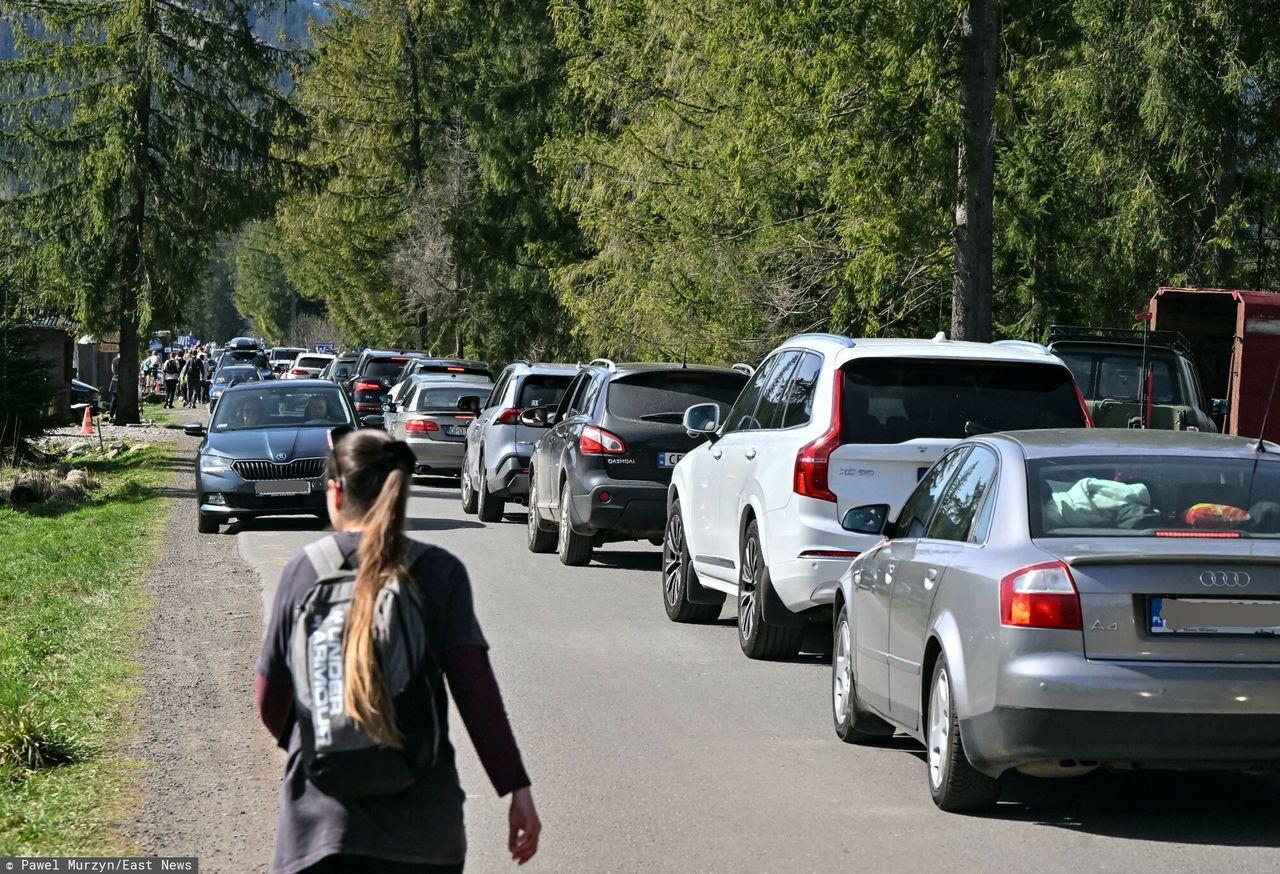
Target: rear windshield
(891, 400)
(542, 390)
(240, 355)
(456, 369)
(285, 354)
(664, 395)
(384, 368)
(445, 399)
(1145, 496)
(311, 361)
(244, 374)
(1117, 374)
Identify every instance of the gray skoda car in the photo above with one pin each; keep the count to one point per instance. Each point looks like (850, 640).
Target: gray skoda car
(1058, 601)
(264, 451)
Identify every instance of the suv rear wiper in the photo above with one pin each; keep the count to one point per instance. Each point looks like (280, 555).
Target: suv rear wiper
(662, 417)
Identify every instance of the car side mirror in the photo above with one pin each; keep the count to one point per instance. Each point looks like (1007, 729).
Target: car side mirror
(1221, 406)
(702, 419)
(193, 429)
(388, 406)
(469, 404)
(535, 417)
(867, 519)
(372, 422)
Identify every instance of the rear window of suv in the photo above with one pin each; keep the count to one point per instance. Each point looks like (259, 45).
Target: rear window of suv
(892, 400)
(384, 368)
(542, 390)
(664, 395)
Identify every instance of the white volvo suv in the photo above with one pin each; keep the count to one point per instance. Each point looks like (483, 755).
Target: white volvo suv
(827, 424)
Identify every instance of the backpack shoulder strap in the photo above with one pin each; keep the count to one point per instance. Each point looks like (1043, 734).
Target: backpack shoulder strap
(326, 556)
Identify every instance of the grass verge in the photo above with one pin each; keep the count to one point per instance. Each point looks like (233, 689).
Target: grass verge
(157, 413)
(71, 605)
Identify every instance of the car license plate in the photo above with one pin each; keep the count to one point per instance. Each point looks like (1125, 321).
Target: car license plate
(669, 459)
(1215, 616)
(455, 430)
(284, 487)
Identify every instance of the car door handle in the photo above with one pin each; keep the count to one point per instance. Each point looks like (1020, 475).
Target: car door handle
(716, 453)
(751, 453)
(930, 577)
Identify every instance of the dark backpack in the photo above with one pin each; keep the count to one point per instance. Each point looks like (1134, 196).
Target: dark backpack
(171, 367)
(337, 755)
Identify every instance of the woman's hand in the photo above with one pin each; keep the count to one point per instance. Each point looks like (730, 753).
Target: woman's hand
(522, 840)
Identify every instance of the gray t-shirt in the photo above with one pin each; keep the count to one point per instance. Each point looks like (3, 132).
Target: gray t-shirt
(422, 824)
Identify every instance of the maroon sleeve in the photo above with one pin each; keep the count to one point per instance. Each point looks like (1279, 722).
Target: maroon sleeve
(475, 691)
(275, 705)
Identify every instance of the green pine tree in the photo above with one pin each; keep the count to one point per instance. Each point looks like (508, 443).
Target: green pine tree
(134, 132)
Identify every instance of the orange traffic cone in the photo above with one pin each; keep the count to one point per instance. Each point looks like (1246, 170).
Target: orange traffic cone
(87, 426)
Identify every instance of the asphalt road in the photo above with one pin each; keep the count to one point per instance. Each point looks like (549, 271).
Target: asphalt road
(658, 747)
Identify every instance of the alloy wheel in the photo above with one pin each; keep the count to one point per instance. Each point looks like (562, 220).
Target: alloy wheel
(747, 588)
(673, 559)
(533, 509)
(939, 728)
(842, 671)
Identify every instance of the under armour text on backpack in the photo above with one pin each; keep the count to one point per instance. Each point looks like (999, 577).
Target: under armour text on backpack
(337, 755)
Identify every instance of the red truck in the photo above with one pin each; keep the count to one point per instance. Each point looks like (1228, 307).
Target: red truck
(1235, 344)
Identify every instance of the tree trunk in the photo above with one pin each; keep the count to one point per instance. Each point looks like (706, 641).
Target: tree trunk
(979, 61)
(127, 401)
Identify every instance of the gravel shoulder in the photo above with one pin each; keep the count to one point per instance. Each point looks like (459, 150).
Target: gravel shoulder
(209, 774)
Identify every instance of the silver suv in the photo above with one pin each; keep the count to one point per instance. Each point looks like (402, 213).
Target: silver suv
(495, 463)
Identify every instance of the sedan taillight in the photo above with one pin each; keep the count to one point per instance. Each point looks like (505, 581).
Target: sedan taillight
(1040, 596)
(420, 426)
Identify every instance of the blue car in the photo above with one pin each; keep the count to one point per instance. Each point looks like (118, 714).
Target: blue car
(264, 450)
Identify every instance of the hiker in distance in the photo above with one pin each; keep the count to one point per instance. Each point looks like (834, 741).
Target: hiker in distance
(367, 625)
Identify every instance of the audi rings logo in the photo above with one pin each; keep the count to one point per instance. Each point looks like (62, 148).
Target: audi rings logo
(1224, 579)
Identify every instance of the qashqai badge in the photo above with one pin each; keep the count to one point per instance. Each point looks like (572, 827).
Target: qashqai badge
(1224, 579)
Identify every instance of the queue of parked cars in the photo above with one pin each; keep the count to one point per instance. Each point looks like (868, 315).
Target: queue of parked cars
(1002, 581)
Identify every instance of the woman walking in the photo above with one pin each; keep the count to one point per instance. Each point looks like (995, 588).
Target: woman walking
(418, 828)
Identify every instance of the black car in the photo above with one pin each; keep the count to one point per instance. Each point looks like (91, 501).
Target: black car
(600, 471)
(372, 377)
(264, 451)
(339, 369)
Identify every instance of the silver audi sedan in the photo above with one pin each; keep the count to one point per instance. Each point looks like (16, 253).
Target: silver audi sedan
(1058, 601)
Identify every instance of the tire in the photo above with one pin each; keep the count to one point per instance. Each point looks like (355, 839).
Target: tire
(956, 786)
(574, 549)
(207, 524)
(539, 537)
(467, 491)
(758, 638)
(853, 724)
(676, 571)
(488, 507)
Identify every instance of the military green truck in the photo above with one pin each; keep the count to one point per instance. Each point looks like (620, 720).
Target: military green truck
(1108, 364)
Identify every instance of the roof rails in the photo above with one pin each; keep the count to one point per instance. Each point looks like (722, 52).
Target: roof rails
(745, 369)
(1165, 339)
(844, 341)
(605, 363)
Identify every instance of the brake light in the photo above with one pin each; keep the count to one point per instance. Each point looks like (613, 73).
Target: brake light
(811, 480)
(298, 371)
(365, 385)
(508, 417)
(1212, 535)
(1040, 596)
(456, 369)
(597, 441)
(420, 426)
